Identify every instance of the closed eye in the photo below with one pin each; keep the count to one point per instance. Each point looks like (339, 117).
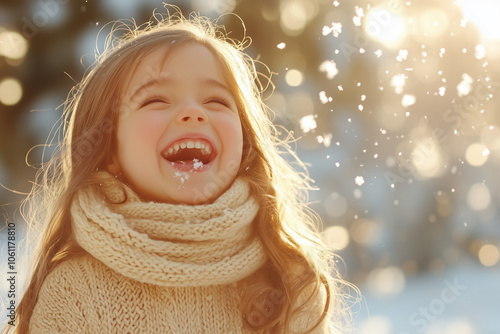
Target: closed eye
(219, 99)
(154, 99)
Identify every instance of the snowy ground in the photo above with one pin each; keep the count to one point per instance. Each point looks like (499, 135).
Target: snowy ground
(462, 300)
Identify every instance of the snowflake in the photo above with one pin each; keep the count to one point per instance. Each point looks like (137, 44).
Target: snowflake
(308, 123)
(330, 68)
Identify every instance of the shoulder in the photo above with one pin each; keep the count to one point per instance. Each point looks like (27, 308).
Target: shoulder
(66, 296)
(83, 268)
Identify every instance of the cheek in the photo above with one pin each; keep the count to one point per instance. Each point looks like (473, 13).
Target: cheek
(231, 133)
(234, 147)
(140, 134)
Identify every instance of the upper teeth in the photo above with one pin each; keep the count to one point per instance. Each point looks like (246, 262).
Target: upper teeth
(205, 147)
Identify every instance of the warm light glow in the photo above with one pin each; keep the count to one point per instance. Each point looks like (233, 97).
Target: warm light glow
(398, 82)
(376, 324)
(294, 78)
(386, 281)
(408, 100)
(336, 237)
(489, 255)
(295, 14)
(477, 154)
(433, 23)
(13, 45)
(364, 232)
(484, 14)
(381, 25)
(427, 159)
(214, 6)
(478, 197)
(11, 91)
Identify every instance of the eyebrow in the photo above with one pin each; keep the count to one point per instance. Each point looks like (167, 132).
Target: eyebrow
(164, 80)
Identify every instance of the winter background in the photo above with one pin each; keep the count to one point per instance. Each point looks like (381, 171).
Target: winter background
(395, 105)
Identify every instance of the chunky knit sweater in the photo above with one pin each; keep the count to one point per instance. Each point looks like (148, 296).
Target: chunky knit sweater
(156, 267)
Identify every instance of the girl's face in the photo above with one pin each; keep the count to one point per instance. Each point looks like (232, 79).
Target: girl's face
(179, 133)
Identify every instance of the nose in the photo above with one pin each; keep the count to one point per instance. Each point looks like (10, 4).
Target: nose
(191, 113)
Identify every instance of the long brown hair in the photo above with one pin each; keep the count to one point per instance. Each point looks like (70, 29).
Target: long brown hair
(298, 269)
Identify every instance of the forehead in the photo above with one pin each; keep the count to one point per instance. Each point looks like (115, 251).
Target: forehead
(183, 62)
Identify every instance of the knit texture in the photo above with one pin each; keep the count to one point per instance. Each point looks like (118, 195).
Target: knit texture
(155, 267)
(169, 244)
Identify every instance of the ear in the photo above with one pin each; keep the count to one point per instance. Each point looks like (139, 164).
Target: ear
(113, 167)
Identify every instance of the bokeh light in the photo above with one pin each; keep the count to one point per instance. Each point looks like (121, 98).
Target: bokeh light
(489, 255)
(294, 78)
(385, 27)
(295, 14)
(214, 6)
(477, 154)
(365, 232)
(398, 82)
(386, 281)
(432, 23)
(484, 14)
(428, 159)
(336, 237)
(11, 91)
(478, 197)
(376, 324)
(12, 45)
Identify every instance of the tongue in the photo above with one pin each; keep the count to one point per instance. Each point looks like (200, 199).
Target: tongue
(187, 156)
(195, 163)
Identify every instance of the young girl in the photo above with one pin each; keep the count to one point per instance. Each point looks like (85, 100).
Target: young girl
(169, 207)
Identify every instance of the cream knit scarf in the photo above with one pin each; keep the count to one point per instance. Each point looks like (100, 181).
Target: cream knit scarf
(169, 244)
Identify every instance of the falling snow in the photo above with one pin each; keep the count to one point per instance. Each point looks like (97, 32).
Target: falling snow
(308, 123)
(402, 55)
(330, 68)
(398, 82)
(442, 90)
(465, 86)
(335, 29)
(408, 100)
(479, 51)
(359, 180)
(325, 139)
(359, 14)
(323, 98)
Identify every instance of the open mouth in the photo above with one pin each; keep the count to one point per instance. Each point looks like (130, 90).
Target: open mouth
(191, 153)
